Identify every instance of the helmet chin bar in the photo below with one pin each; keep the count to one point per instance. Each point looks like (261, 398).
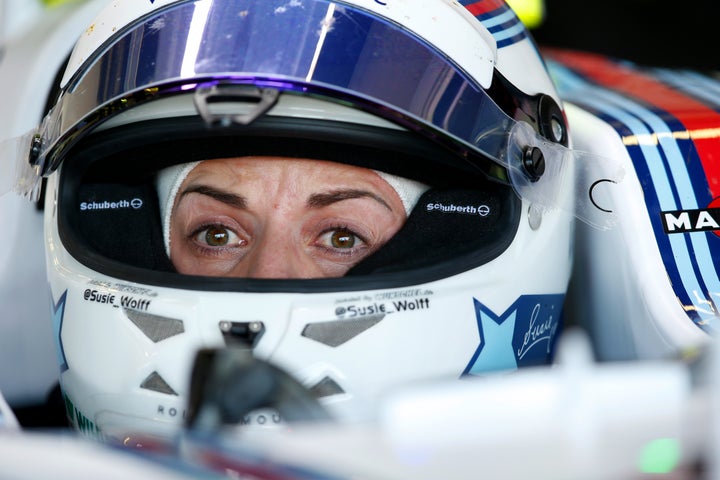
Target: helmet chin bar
(228, 384)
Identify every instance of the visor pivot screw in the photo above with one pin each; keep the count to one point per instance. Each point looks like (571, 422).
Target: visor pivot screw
(35, 150)
(534, 163)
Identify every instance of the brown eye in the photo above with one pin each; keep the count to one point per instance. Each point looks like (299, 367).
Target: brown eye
(342, 239)
(217, 236)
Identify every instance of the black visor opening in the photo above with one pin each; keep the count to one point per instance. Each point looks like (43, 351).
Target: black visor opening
(109, 220)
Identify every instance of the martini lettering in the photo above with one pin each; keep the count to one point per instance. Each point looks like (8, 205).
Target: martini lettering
(684, 221)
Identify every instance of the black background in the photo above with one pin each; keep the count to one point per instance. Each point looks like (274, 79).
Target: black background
(679, 34)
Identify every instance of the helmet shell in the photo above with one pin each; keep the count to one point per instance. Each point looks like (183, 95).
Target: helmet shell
(127, 335)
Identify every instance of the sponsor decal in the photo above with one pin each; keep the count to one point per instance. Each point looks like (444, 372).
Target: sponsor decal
(117, 301)
(383, 303)
(122, 288)
(262, 417)
(698, 220)
(356, 310)
(352, 311)
(134, 204)
(134, 303)
(482, 210)
(172, 412)
(81, 422)
(98, 297)
(399, 294)
(523, 335)
(58, 314)
(417, 304)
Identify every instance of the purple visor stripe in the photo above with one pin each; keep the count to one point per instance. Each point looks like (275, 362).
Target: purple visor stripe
(320, 46)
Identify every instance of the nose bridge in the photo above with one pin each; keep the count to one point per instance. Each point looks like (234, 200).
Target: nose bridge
(277, 255)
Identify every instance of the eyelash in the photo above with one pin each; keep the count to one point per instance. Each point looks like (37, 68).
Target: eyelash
(206, 249)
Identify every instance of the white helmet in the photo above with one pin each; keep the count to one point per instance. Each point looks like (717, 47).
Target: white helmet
(473, 283)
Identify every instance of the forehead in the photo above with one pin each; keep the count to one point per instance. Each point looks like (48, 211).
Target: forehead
(289, 179)
(229, 170)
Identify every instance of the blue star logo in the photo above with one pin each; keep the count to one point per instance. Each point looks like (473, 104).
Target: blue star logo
(57, 320)
(523, 335)
(496, 334)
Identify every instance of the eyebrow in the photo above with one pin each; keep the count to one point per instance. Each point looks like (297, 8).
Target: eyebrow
(319, 200)
(231, 199)
(316, 200)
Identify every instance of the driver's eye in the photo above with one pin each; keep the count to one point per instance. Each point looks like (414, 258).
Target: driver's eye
(342, 238)
(217, 236)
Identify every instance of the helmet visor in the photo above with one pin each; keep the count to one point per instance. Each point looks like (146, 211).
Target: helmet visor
(315, 46)
(323, 48)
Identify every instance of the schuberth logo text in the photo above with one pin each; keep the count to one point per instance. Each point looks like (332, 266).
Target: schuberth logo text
(135, 204)
(686, 221)
(482, 210)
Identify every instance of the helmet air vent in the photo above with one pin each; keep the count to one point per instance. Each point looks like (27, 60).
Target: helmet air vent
(326, 387)
(155, 327)
(336, 332)
(156, 383)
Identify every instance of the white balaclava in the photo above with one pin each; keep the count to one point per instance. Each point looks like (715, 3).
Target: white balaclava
(170, 179)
